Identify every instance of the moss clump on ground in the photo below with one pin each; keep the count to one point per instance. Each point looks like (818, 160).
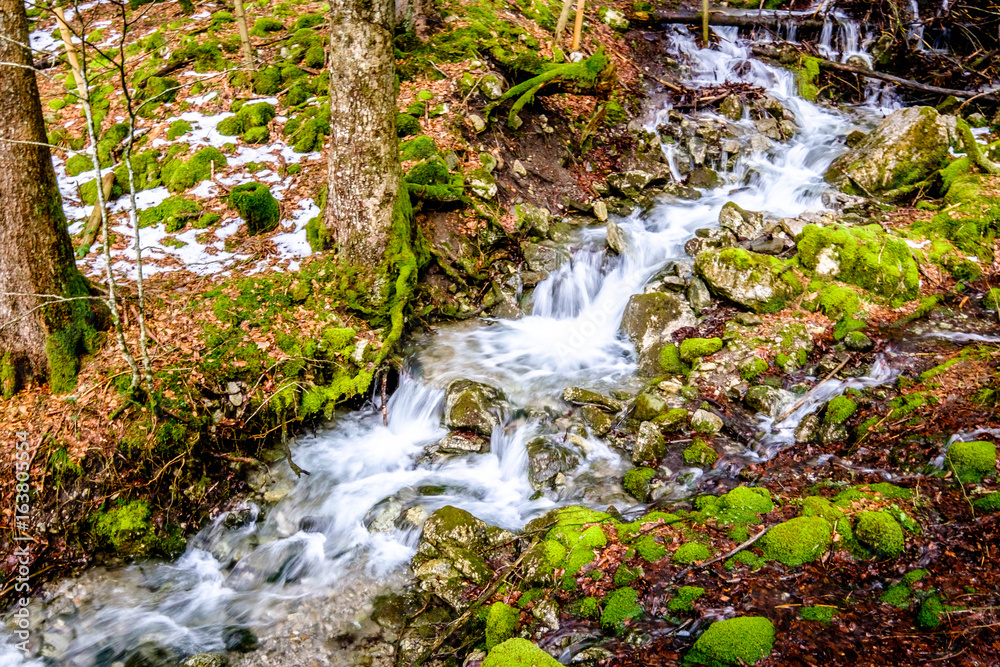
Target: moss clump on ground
(649, 549)
(587, 608)
(178, 128)
(174, 212)
(519, 653)
(637, 482)
(972, 461)
(929, 614)
(821, 614)
(625, 575)
(692, 552)
(670, 360)
(417, 149)
(748, 558)
(839, 410)
(501, 622)
(880, 532)
(736, 641)
(181, 174)
(988, 503)
(257, 206)
(751, 499)
(685, 598)
(700, 454)
(901, 594)
(753, 368)
(797, 541)
(249, 117)
(620, 607)
(695, 348)
(264, 26)
(863, 256)
(407, 125)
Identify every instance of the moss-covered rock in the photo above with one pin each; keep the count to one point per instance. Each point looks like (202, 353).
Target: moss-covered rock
(988, 503)
(797, 541)
(700, 454)
(174, 212)
(649, 445)
(518, 652)
(649, 319)
(474, 406)
(972, 461)
(748, 499)
(691, 552)
(862, 256)
(637, 482)
(620, 607)
(181, 174)
(417, 149)
(695, 348)
(762, 283)
(879, 532)
(737, 641)
(902, 152)
(407, 125)
(670, 360)
(501, 622)
(839, 410)
(257, 206)
(685, 598)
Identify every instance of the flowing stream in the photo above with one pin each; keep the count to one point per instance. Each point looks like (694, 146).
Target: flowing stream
(354, 522)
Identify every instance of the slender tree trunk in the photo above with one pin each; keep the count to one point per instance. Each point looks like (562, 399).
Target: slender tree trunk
(241, 22)
(43, 319)
(364, 173)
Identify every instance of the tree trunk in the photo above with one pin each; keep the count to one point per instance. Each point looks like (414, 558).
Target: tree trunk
(41, 332)
(364, 172)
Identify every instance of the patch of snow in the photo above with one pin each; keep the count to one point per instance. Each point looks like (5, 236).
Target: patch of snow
(205, 189)
(292, 244)
(203, 99)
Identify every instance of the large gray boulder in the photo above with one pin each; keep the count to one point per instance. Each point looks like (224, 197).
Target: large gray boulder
(649, 445)
(758, 282)
(906, 148)
(473, 406)
(649, 320)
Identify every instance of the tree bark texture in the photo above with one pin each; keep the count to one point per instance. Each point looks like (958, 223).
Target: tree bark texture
(364, 172)
(39, 335)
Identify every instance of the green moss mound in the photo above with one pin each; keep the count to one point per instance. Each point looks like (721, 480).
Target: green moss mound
(821, 614)
(265, 25)
(175, 212)
(695, 348)
(736, 641)
(249, 117)
(257, 206)
(880, 532)
(839, 410)
(866, 256)
(685, 598)
(637, 482)
(797, 541)
(620, 607)
(178, 128)
(407, 125)
(988, 503)
(417, 149)
(518, 653)
(752, 499)
(972, 461)
(692, 552)
(700, 454)
(501, 622)
(179, 175)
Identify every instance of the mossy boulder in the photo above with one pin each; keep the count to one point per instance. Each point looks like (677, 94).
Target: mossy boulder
(620, 607)
(648, 320)
(417, 149)
(879, 532)
(453, 526)
(179, 174)
(758, 282)
(742, 223)
(862, 256)
(649, 445)
(501, 622)
(737, 641)
(518, 652)
(407, 125)
(248, 118)
(637, 481)
(839, 410)
(691, 552)
(257, 206)
(473, 406)
(264, 26)
(972, 461)
(700, 454)
(902, 152)
(685, 598)
(749, 499)
(695, 348)
(797, 541)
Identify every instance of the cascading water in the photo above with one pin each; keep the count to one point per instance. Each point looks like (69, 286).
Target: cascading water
(355, 519)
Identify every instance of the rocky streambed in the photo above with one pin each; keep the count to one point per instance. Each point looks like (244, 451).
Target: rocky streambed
(724, 421)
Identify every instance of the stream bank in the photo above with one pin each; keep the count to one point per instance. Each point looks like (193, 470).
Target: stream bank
(631, 374)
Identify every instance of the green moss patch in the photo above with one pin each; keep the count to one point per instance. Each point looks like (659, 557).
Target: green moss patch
(257, 206)
(181, 174)
(972, 461)
(879, 532)
(518, 653)
(685, 598)
(620, 607)
(737, 641)
(820, 614)
(797, 541)
(501, 622)
(695, 348)
(637, 482)
(700, 454)
(691, 552)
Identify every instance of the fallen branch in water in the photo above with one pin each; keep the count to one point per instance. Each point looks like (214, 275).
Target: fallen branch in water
(809, 393)
(771, 52)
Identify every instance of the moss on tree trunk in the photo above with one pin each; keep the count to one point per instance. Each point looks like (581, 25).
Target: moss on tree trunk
(42, 334)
